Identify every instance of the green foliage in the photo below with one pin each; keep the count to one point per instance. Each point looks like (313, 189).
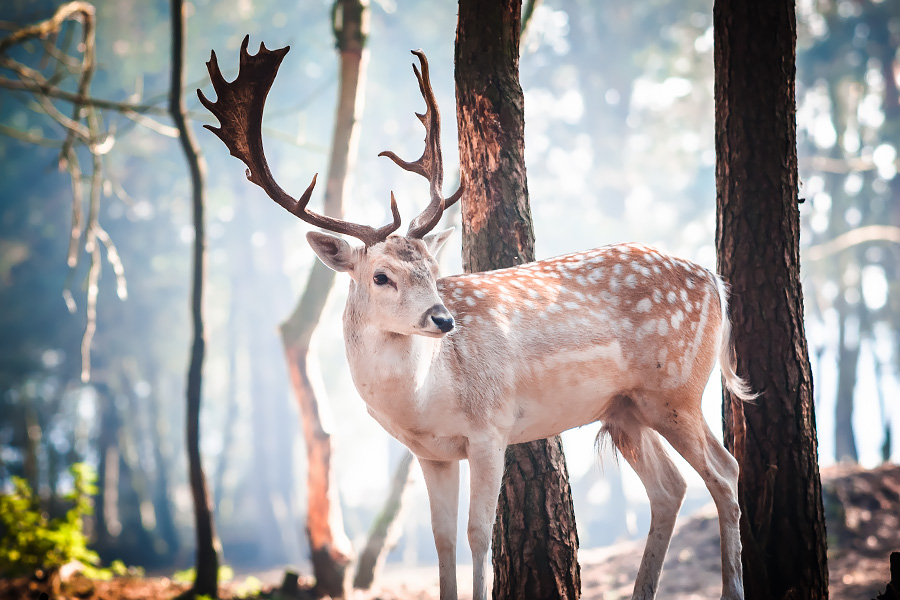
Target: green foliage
(250, 587)
(226, 573)
(119, 569)
(30, 540)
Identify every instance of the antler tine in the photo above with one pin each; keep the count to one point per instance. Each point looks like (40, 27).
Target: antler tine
(239, 109)
(430, 165)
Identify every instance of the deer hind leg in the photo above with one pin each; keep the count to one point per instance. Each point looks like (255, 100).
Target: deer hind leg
(690, 436)
(442, 482)
(665, 487)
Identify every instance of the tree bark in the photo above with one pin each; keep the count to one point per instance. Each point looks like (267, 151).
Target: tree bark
(330, 548)
(206, 582)
(385, 530)
(757, 237)
(534, 552)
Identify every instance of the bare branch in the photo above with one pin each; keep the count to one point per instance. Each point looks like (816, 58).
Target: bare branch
(91, 327)
(144, 120)
(854, 237)
(851, 164)
(87, 72)
(77, 215)
(88, 235)
(63, 60)
(85, 14)
(112, 256)
(31, 138)
(73, 127)
(72, 10)
(91, 246)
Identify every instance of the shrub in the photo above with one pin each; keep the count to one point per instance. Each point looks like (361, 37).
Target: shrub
(29, 540)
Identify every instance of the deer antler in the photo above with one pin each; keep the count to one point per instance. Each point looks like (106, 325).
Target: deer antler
(239, 109)
(430, 165)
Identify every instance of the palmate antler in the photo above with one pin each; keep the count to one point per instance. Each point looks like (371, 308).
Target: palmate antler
(430, 165)
(239, 109)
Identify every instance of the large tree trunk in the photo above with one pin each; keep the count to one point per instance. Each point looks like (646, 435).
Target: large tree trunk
(773, 438)
(534, 552)
(330, 548)
(206, 582)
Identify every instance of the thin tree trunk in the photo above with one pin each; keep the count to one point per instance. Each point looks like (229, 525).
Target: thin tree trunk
(263, 373)
(33, 435)
(757, 237)
(534, 552)
(106, 503)
(891, 105)
(330, 548)
(162, 497)
(207, 561)
(843, 111)
(385, 530)
(848, 361)
(134, 485)
(231, 401)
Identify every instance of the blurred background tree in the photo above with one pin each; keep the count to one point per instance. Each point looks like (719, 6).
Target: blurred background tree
(619, 146)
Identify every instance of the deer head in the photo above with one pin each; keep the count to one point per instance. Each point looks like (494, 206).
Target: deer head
(394, 277)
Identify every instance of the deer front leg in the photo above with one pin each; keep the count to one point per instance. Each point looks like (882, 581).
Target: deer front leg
(442, 481)
(486, 463)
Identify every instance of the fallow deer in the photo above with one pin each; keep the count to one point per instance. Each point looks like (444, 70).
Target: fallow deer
(460, 367)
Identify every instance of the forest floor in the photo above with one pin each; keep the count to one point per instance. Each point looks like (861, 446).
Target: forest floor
(863, 512)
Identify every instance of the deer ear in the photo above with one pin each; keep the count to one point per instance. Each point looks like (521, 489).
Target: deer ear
(333, 251)
(434, 241)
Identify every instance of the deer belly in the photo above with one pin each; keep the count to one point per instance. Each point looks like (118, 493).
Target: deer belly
(567, 390)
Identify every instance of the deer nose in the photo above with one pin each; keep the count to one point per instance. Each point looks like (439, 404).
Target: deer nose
(445, 324)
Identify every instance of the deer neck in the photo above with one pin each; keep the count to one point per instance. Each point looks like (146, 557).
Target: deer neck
(392, 372)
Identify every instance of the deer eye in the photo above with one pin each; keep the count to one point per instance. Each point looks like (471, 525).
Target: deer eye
(380, 279)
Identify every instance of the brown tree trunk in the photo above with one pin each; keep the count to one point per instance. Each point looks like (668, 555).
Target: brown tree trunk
(330, 548)
(848, 362)
(385, 531)
(773, 438)
(534, 552)
(206, 582)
